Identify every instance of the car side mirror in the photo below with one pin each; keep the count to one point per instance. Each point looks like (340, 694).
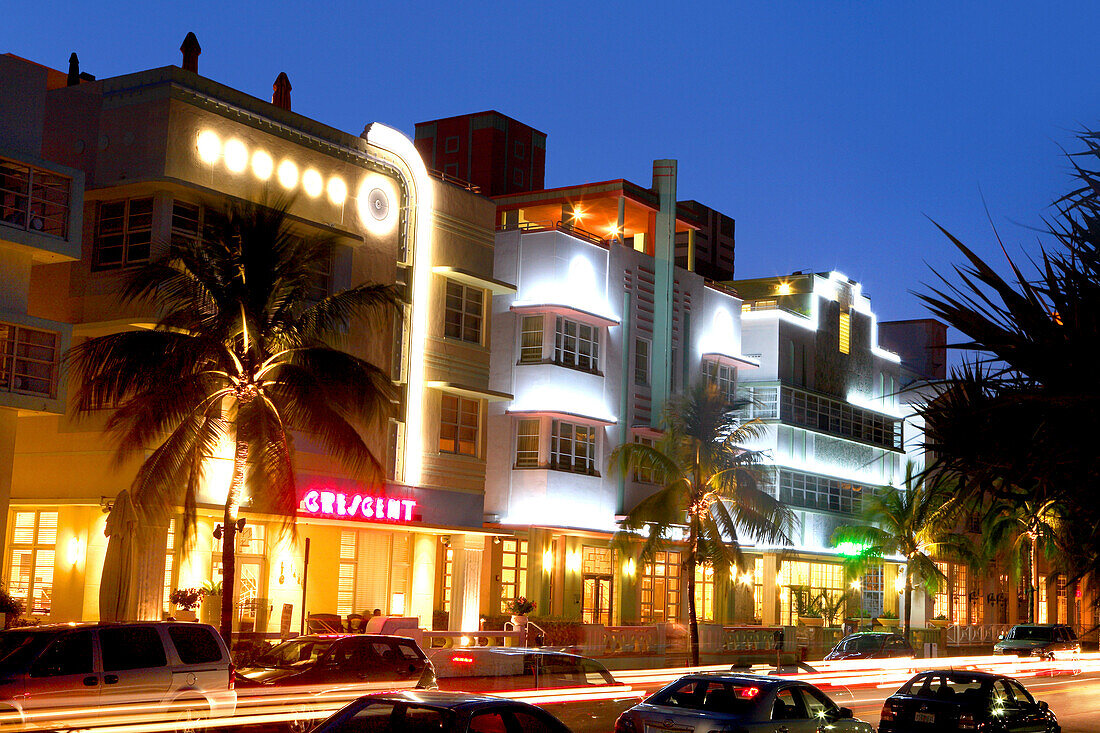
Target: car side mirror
(1043, 706)
(843, 713)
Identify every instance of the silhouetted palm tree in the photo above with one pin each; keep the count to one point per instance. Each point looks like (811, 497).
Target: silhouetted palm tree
(246, 352)
(710, 484)
(1018, 528)
(917, 521)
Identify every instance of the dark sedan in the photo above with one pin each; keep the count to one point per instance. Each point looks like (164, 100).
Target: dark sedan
(870, 645)
(950, 700)
(734, 703)
(439, 712)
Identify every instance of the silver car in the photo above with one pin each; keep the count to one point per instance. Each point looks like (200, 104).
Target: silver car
(735, 703)
(1046, 641)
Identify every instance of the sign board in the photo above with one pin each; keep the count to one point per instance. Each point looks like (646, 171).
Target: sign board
(284, 621)
(350, 505)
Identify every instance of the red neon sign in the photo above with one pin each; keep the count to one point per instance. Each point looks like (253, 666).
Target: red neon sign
(342, 505)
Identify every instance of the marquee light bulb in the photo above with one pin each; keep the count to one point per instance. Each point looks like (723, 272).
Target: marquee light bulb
(337, 190)
(312, 183)
(210, 146)
(236, 156)
(262, 165)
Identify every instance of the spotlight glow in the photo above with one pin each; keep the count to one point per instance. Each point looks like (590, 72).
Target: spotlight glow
(378, 204)
(287, 174)
(312, 183)
(262, 165)
(210, 146)
(236, 156)
(337, 190)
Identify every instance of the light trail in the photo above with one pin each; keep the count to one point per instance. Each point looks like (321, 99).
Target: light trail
(265, 706)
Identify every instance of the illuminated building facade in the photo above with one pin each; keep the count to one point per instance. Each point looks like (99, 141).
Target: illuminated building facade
(100, 176)
(601, 329)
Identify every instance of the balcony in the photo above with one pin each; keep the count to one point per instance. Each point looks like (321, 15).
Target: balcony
(30, 363)
(41, 208)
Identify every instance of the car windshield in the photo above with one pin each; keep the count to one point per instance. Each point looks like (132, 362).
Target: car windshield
(17, 648)
(1030, 633)
(296, 653)
(714, 695)
(954, 686)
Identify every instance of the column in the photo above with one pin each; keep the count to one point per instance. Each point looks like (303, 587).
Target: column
(466, 589)
(422, 593)
(664, 182)
(1012, 590)
(770, 605)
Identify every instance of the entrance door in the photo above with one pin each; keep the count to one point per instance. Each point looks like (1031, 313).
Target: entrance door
(249, 592)
(596, 608)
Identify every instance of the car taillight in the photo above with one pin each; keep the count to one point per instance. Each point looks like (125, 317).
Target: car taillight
(966, 722)
(232, 675)
(624, 724)
(887, 712)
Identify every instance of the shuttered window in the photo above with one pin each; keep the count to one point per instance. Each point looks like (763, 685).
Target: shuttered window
(345, 590)
(34, 538)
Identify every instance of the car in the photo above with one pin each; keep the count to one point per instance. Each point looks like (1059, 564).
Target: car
(327, 661)
(1046, 641)
(870, 645)
(959, 700)
(735, 703)
(439, 712)
(500, 669)
(182, 668)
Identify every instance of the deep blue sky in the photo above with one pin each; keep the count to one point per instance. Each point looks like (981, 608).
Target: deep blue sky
(829, 130)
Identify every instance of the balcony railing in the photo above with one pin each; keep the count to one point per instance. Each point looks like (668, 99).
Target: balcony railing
(550, 226)
(33, 199)
(28, 361)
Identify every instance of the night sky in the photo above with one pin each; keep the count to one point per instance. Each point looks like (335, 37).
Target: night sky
(832, 131)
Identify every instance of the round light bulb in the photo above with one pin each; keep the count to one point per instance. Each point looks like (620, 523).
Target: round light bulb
(312, 183)
(262, 165)
(337, 190)
(210, 146)
(236, 156)
(288, 174)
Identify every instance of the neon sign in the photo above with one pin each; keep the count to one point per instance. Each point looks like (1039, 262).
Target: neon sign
(338, 504)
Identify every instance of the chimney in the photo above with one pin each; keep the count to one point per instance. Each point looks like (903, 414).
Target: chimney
(280, 96)
(74, 70)
(191, 50)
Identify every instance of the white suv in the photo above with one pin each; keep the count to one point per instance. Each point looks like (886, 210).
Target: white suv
(176, 672)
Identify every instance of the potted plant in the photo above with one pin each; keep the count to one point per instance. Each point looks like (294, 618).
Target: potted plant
(186, 600)
(10, 607)
(519, 608)
(211, 602)
(939, 621)
(808, 607)
(888, 618)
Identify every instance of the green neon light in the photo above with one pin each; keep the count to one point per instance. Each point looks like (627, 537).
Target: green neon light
(851, 549)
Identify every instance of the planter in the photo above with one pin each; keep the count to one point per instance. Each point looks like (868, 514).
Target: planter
(184, 614)
(520, 622)
(889, 622)
(811, 621)
(939, 623)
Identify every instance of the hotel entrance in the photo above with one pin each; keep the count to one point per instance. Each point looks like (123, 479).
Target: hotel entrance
(597, 603)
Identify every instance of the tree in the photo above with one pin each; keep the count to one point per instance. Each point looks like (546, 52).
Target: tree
(917, 521)
(1017, 418)
(709, 483)
(245, 351)
(1018, 527)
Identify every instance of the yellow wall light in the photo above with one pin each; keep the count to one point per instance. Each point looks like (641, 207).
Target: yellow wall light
(312, 183)
(209, 146)
(287, 174)
(378, 204)
(236, 156)
(337, 190)
(548, 561)
(629, 567)
(262, 165)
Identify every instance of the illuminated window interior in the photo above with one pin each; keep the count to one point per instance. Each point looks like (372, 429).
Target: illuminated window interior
(704, 593)
(513, 571)
(34, 541)
(845, 332)
(345, 587)
(661, 588)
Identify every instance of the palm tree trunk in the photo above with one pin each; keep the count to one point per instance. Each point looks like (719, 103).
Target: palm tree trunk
(693, 619)
(908, 601)
(229, 531)
(1033, 581)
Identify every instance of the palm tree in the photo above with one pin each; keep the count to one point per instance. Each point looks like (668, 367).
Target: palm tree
(246, 352)
(918, 522)
(709, 483)
(1018, 528)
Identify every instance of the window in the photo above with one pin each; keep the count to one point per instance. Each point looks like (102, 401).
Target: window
(958, 593)
(195, 644)
(704, 592)
(942, 605)
(641, 362)
(661, 588)
(519, 149)
(169, 560)
(822, 492)
(808, 578)
(463, 312)
(34, 538)
(644, 473)
(758, 588)
(816, 412)
(451, 144)
(123, 232)
(68, 654)
(763, 402)
(1061, 596)
(527, 444)
(131, 647)
(345, 582)
(28, 360)
(448, 577)
(1041, 613)
(34, 199)
(458, 425)
(577, 344)
(530, 340)
(573, 448)
(513, 570)
(873, 592)
(845, 332)
(722, 376)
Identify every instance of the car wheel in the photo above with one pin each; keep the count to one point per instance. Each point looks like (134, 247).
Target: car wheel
(188, 717)
(303, 724)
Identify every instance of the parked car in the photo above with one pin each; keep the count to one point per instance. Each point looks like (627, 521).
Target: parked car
(1047, 641)
(325, 661)
(734, 703)
(184, 668)
(499, 669)
(870, 645)
(439, 712)
(949, 700)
